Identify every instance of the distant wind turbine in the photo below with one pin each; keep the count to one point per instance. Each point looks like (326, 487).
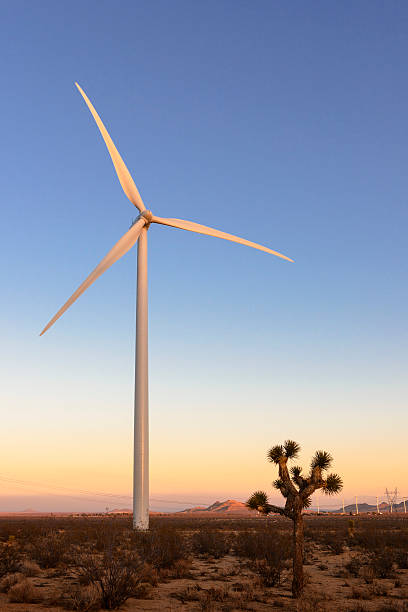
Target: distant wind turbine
(138, 231)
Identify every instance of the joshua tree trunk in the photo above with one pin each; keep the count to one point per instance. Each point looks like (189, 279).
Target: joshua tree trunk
(298, 580)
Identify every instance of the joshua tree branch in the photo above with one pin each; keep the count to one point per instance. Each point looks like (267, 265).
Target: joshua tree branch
(277, 509)
(284, 476)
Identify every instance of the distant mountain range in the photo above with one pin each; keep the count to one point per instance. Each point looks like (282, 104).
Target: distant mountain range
(383, 507)
(232, 507)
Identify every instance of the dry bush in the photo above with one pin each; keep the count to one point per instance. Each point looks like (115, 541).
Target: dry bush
(391, 606)
(160, 548)
(30, 569)
(190, 593)
(8, 581)
(24, 592)
(115, 576)
(257, 545)
(49, 550)
(382, 565)
(355, 565)
(311, 602)
(10, 558)
(269, 553)
(358, 608)
(179, 569)
(361, 593)
(268, 570)
(149, 575)
(81, 599)
(401, 558)
(210, 542)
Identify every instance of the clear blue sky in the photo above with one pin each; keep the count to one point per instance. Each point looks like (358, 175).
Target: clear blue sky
(284, 123)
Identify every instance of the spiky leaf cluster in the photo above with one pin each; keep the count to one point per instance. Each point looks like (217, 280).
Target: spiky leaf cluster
(259, 501)
(296, 471)
(275, 453)
(333, 484)
(278, 484)
(322, 459)
(307, 502)
(291, 448)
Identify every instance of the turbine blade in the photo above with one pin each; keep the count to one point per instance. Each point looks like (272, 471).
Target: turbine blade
(123, 173)
(121, 247)
(209, 231)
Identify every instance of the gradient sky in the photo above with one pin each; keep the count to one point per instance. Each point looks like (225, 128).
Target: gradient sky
(284, 123)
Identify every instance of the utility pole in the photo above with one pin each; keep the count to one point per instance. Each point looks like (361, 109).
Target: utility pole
(405, 509)
(356, 505)
(343, 506)
(378, 509)
(318, 507)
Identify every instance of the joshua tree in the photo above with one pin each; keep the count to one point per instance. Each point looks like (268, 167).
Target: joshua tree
(296, 489)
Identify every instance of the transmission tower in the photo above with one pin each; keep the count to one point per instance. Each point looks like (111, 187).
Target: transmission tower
(391, 497)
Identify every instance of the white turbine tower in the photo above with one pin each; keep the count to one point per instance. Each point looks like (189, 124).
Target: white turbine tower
(138, 231)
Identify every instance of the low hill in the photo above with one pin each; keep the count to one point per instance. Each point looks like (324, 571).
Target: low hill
(229, 506)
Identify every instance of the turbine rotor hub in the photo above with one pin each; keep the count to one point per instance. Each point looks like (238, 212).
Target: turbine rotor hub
(148, 216)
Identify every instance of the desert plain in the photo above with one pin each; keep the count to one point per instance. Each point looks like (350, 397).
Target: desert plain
(194, 561)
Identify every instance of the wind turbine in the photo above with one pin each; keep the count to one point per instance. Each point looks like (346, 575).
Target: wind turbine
(138, 231)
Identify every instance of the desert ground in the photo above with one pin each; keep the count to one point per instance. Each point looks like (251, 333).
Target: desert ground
(352, 563)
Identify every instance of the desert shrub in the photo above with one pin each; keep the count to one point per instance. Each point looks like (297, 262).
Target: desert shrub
(190, 593)
(209, 542)
(367, 573)
(312, 602)
(8, 581)
(360, 593)
(391, 606)
(24, 592)
(260, 545)
(382, 565)
(115, 576)
(379, 590)
(48, 550)
(81, 599)
(180, 569)
(268, 552)
(355, 565)
(269, 571)
(401, 558)
(30, 569)
(150, 575)
(10, 558)
(160, 548)
(107, 534)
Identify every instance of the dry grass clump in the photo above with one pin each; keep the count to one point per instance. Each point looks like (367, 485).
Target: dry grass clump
(24, 592)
